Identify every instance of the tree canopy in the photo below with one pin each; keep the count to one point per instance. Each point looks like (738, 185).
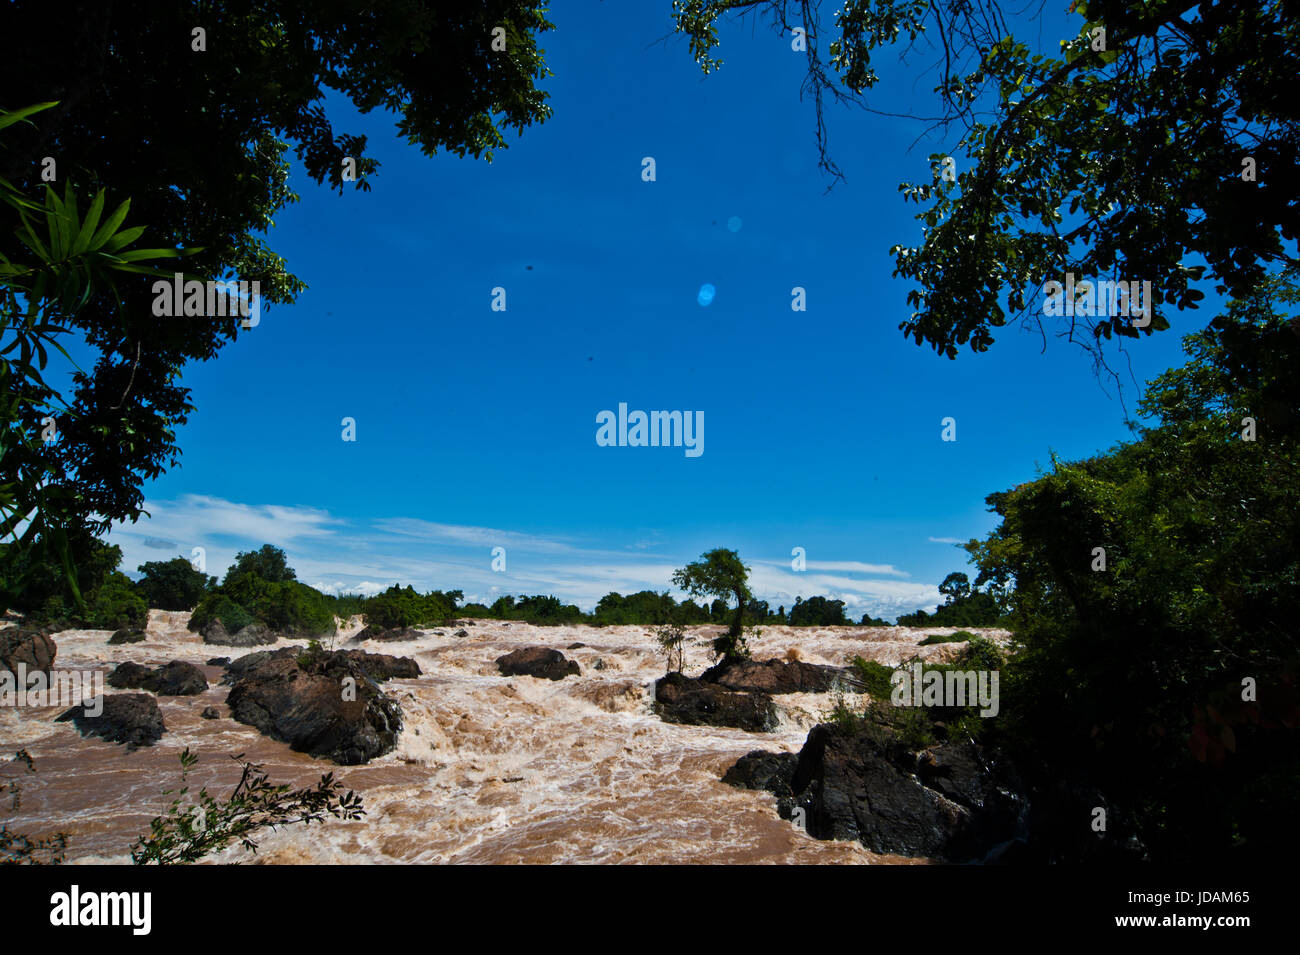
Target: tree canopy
(195, 130)
(1160, 134)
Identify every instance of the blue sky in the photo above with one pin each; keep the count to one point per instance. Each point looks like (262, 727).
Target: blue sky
(476, 428)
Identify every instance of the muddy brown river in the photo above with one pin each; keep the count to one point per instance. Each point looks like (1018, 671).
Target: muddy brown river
(488, 769)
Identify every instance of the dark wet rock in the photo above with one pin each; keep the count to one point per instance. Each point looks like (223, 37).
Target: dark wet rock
(462, 632)
(254, 635)
(684, 699)
(210, 713)
(541, 662)
(378, 666)
(575, 646)
(219, 662)
(126, 636)
(760, 769)
(954, 802)
(130, 718)
(214, 631)
(324, 704)
(374, 632)
(776, 676)
(33, 648)
(1056, 836)
(174, 679)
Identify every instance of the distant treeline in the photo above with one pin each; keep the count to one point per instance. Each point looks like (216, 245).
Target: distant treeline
(261, 586)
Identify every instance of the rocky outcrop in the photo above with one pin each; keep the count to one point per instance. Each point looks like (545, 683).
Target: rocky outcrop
(126, 636)
(773, 772)
(130, 718)
(378, 666)
(954, 802)
(174, 679)
(34, 648)
(325, 704)
(777, 676)
(254, 635)
(541, 662)
(374, 632)
(684, 699)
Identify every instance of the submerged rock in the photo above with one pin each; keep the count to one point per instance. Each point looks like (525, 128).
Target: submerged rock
(130, 718)
(324, 704)
(684, 699)
(541, 662)
(174, 679)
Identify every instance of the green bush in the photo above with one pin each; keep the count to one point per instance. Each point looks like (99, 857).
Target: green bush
(116, 604)
(957, 637)
(173, 584)
(218, 606)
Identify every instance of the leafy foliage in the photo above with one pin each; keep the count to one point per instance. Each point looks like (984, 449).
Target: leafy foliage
(189, 831)
(173, 584)
(1120, 159)
(720, 573)
(1125, 670)
(817, 612)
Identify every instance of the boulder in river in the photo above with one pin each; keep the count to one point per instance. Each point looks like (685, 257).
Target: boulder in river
(391, 634)
(684, 699)
(130, 718)
(173, 679)
(324, 704)
(759, 769)
(253, 635)
(34, 648)
(955, 801)
(541, 662)
(776, 676)
(126, 636)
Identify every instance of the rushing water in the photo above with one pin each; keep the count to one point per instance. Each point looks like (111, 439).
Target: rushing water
(488, 769)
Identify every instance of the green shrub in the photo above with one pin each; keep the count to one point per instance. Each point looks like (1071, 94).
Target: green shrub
(220, 607)
(958, 637)
(874, 676)
(116, 604)
(173, 584)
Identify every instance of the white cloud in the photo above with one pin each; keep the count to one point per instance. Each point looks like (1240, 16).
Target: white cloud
(339, 556)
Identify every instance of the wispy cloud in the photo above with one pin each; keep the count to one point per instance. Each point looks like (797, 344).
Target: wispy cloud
(340, 556)
(946, 540)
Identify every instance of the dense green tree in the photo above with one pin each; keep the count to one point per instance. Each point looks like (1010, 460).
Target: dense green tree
(267, 562)
(173, 584)
(817, 612)
(1152, 580)
(1123, 156)
(198, 139)
(720, 573)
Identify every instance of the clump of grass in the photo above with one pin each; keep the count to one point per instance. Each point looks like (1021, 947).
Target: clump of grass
(961, 636)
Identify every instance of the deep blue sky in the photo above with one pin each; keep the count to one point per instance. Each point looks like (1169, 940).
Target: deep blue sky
(477, 428)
